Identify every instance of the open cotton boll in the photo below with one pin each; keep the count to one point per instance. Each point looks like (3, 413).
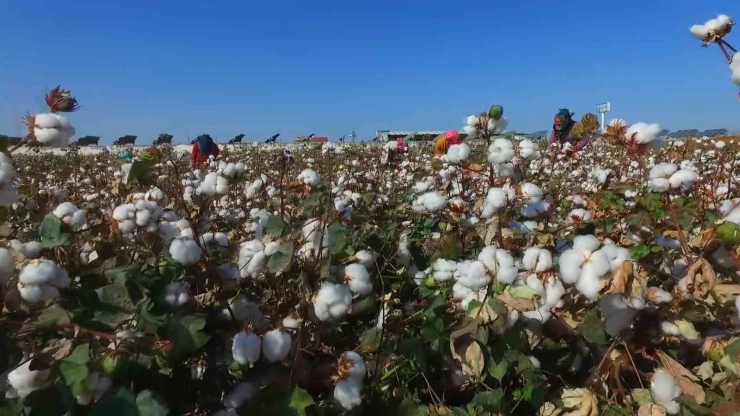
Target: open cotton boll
(253, 189)
(643, 133)
(579, 214)
(500, 263)
(70, 214)
(682, 179)
(276, 345)
(497, 126)
(176, 294)
(537, 259)
(500, 151)
(309, 177)
(665, 390)
(351, 365)
(701, 32)
(473, 121)
(366, 258)
(25, 381)
(616, 255)
(495, 200)
(472, 275)
(52, 130)
(214, 239)
(332, 301)
(213, 184)
(458, 153)
(246, 348)
(443, 270)
(357, 279)
(185, 251)
(348, 393)
(44, 272)
(429, 202)
(528, 150)
(531, 192)
(242, 393)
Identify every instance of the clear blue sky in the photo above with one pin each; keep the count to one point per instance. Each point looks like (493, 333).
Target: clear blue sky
(328, 67)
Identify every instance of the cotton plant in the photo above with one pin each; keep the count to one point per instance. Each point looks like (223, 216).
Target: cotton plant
(492, 122)
(309, 177)
(69, 214)
(586, 265)
(501, 151)
(350, 377)
(40, 281)
(253, 257)
(53, 129)
(667, 176)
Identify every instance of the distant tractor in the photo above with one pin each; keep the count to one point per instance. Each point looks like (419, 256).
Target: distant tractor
(87, 141)
(237, 139)
(163, 139)
(272, 138)
(125, 140)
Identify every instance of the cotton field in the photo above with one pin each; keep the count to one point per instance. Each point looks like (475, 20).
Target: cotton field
(503, 277)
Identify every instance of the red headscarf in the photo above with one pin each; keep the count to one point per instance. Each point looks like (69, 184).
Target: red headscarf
(453, 137)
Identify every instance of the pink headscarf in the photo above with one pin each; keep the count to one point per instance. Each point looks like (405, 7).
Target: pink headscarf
(401, 145)
(453, 137)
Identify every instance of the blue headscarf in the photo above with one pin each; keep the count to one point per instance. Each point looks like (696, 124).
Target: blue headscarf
(205, 144)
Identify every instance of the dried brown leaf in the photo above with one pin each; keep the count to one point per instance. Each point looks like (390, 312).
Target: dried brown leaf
(622, 278)
(700, 279)
(522, 305)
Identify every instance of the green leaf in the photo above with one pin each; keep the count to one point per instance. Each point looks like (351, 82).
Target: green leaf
(689, 407)
(448, 248)
(410, 407)
(592, 328)
(729, 233)
(275, 225)
(281, 258)
(54, 315)
(53, 232)
(522, 292)
(498, 370)
(338, 237)
(614, 410)
(293, 403)
(311, 203)
(733, 349)
(414, 350)
(150, 404)
(371, 340)
(115, 295)
(186, 333)
(639, 251)
(74, 368)
(491, 401)
(121, 402)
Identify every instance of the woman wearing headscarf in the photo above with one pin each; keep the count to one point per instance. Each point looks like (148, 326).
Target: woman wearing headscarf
(444, 142)
(203, 148)
(566, 130)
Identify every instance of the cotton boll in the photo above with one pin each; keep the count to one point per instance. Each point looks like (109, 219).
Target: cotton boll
(497, 126)
(473, 276)
(643, 133)
(500, 151)
(366, 258)
(25, 381)
(348, 393)
(528, 150)
(357, 279)
(579, 214)
(176, 294)
(473, 121)
(276, 345)
(309, 177)
(665, 390)
(659, 185)
(185, 251)
(142, 218)
(531, 192)
(495, 200)
(443, 270)
(213, 184)
(69, 214)
(682, 179)
(332, 301)
(242, 393)
(352, 365)
(127, 226)
(701, 32)
(458, 153)
(246, 348)
(537, 259)
(586, 242)
(429, 202)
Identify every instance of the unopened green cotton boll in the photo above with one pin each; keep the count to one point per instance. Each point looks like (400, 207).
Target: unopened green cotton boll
(496, 112)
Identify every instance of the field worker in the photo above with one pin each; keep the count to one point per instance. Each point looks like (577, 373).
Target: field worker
(444, 143)
(401, 146)
(126, 155)
(203, 148)
(566, 130)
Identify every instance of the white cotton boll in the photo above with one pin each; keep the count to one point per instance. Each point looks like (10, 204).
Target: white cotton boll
(429, 202)
(366, 258)
(276, 345)
(662, 170)
(495, 200)
(290, 322)
(358, 279)
(185, 251)
(70, 214)
(682, 179)
(701, 32)
(616, 255)
(586, 242)
(532, 192)
(643, 133)
(474, 276)
(309, 177)
(659, 184)
(6, 170)
(570, 265)
(127, 226)
(253, 189)
(665, 390)
(213, 184)
(257, 264)
(443, 270)
(356, 369)
(25, 381)
(176, 294)
(246, 348)
(497, 126)
(669, 328)
(271, 248)
(458, 153)
(473, 121)
(500, 151)
(242, 393)
(44, 272)
(589, 284)
(36, 294)
(534, 361)
(422, 186)
(123, 212)
(332, 301)
(528, 149)
(348, 393)
(537, 259)
(507, 271)
(579, 214)
(142, 218)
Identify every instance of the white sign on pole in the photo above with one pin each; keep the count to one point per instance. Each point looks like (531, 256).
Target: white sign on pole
(603, 108)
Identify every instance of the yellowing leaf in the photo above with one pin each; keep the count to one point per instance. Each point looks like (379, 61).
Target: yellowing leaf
(581, 400)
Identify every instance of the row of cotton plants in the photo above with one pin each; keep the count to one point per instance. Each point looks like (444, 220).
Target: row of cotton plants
(499, 277)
